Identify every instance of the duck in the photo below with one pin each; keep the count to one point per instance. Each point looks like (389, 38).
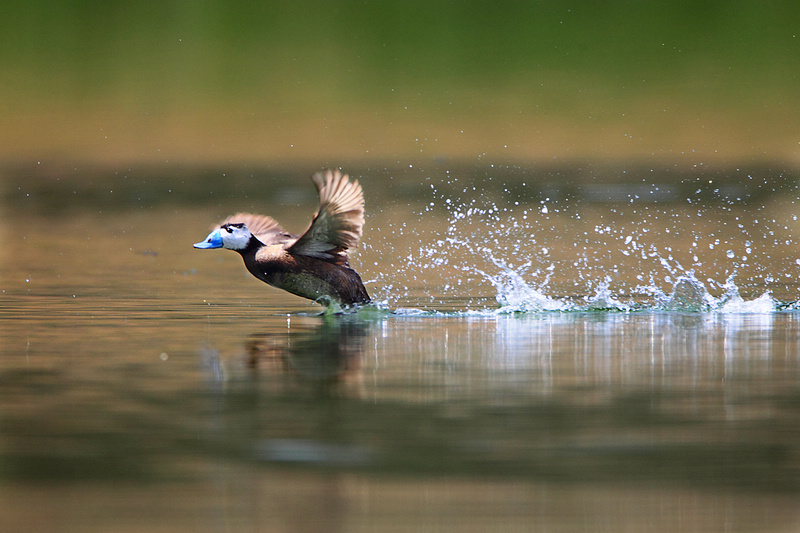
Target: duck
(314, 265)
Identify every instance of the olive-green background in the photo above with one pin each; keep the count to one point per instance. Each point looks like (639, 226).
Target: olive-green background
(701, 82)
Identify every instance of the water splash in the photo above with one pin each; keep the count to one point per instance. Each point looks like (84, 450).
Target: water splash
(604, 300)
(471, 252)
(514, 294)
(732, 302)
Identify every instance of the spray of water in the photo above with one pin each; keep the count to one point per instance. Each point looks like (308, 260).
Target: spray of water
(471, 253)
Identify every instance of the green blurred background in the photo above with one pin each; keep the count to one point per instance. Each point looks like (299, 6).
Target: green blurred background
(215, 81)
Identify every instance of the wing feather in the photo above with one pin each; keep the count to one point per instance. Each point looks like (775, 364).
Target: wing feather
(337, 225)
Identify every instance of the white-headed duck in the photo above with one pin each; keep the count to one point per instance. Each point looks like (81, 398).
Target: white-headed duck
(314, 265)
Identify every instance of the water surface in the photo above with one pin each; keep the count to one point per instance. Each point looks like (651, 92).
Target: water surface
(538, 360)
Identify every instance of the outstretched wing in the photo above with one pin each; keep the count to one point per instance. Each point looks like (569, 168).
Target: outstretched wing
(265, 228)
(336, 226)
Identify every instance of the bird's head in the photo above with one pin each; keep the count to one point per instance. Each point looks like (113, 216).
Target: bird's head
(233, 236)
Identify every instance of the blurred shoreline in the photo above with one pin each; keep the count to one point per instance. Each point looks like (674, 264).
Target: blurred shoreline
(164, 89)
(108, 137)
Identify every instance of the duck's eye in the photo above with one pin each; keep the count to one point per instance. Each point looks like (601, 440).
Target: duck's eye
(229, 229)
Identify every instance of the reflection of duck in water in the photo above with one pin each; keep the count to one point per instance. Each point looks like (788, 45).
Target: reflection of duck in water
(325, 352)
(314, 265)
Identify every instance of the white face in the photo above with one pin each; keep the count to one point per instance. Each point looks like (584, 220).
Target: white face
(234, 236)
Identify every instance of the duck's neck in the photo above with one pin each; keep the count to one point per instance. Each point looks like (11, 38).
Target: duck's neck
(252, 245)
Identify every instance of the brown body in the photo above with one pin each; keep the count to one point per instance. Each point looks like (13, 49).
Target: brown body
(305, 276)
